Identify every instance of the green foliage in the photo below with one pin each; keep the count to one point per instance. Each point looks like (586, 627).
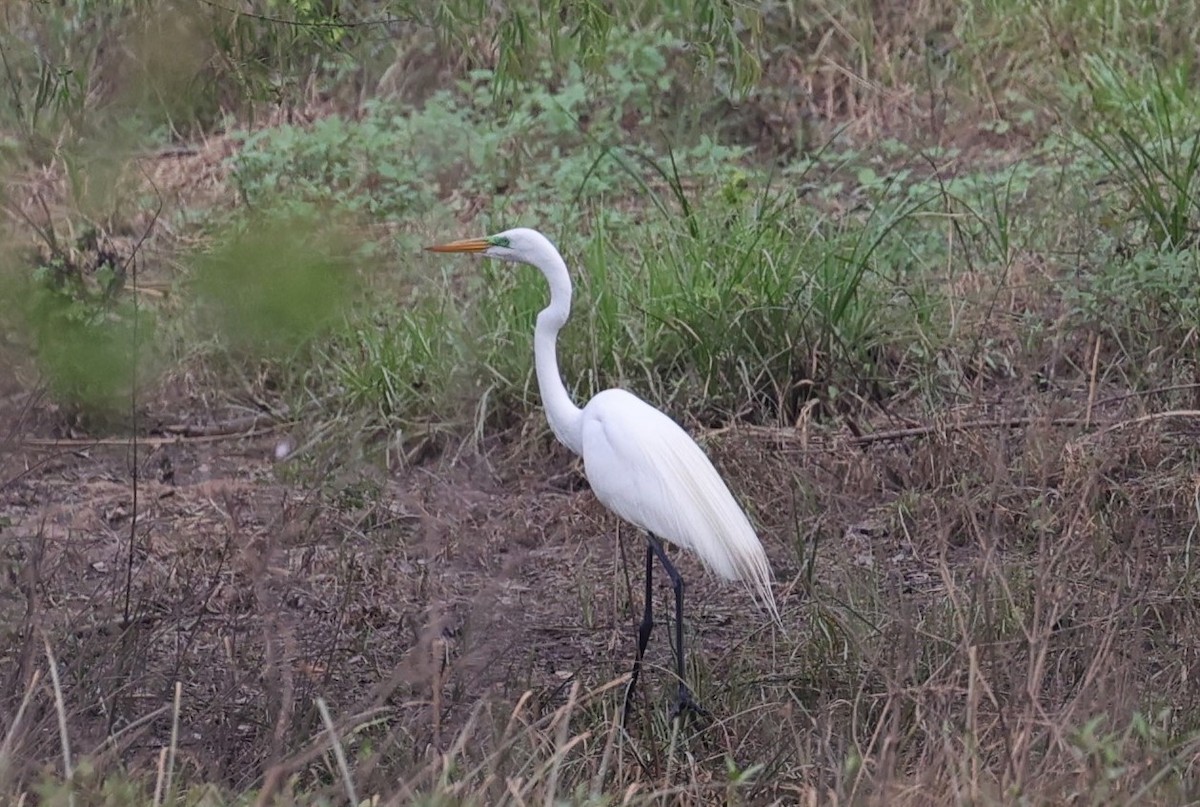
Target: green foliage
(400, 362)
(556, 141)
(764, 306)
(728, 300)
(749, 311)
(268, 289)
(94, 348)
(1143, 126)
(1106, 750)
(1137, 124)
(73, 71)
(45, 53)
(354, 167)
(1146, 300)
(81, 64)
(536, 36)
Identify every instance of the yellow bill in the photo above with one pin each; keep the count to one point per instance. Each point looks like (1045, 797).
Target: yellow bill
(465, 245)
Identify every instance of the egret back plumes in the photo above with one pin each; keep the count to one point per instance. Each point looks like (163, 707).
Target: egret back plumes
(640, 463)
(647, 470)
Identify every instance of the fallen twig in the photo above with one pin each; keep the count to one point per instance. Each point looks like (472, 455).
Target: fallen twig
(964, 426)
(792, 435)
(225, 427)
(909, 431)
(1171, 413)
(201, 434)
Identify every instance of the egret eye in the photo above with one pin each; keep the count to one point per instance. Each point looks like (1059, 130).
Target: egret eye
(499, 241)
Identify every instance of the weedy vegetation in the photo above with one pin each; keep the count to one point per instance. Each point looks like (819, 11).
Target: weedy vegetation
(280, 518)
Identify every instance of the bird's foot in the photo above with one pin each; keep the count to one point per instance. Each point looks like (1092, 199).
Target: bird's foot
(685, 704)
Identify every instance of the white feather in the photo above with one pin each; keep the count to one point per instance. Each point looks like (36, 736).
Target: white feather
(645, 468)
(640, 463)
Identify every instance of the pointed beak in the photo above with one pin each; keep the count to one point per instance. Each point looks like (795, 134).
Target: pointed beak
(466, 245)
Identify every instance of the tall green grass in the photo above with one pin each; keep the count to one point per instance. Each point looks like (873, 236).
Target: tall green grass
(746, 313)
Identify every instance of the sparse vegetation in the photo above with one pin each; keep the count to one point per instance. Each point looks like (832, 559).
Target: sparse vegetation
(280, 521)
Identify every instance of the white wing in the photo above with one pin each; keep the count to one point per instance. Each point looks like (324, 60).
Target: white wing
(645, 468)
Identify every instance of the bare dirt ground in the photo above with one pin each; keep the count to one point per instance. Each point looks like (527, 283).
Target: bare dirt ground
(417, 593)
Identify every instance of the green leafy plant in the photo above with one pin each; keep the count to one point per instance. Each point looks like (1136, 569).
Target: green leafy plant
(94, 348)
(1145, 128)
(270, 288)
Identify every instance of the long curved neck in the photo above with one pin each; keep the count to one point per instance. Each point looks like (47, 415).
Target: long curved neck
(564, 416)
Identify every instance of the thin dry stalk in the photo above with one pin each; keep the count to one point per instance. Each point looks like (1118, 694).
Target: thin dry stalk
(60, 711)
(601, 775)
(174, 738)
(11, 735)
(563, 718)
(275, 776)
(1150, 418)
(338, 753)
(161, 778)
(1093, 378)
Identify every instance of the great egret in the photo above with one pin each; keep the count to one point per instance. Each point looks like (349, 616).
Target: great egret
(640, 463)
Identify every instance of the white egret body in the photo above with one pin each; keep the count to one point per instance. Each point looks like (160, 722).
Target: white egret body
(639, 462)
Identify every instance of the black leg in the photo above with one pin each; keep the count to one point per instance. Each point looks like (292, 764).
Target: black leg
(643, 632)
(685, 702)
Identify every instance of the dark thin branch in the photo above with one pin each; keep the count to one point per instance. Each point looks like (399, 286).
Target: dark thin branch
(965, 426)
(129, 270)
(388, 20)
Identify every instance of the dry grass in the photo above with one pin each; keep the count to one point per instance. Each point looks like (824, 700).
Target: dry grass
(988, 601)
(975, 614)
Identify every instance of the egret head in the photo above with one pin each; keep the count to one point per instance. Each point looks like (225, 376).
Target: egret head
(519, 245)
